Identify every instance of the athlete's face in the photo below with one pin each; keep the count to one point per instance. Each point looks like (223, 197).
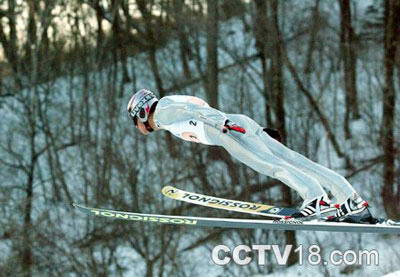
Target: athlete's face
(142, 128)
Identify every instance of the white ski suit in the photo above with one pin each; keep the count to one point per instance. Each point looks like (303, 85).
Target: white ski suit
(190, 118)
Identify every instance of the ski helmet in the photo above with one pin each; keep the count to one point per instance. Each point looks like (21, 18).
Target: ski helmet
(140, 106)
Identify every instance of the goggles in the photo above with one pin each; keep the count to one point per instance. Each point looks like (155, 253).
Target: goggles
(141, 114)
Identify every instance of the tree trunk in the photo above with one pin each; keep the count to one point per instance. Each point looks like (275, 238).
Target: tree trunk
(100, 33)
(316, 21)
(261, 36)
(184, 45)
(9, 44)
(390, 194)
(212, 52)
(119, 50)
(30, 46)
(27, 256)
(347, 42)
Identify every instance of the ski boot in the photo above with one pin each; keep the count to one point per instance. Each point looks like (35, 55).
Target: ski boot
(313, 208)
(353, 210)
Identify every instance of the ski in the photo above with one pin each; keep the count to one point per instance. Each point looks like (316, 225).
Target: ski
(388, 227)
(227, 204)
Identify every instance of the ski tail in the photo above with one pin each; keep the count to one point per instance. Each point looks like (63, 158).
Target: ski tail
(227, 204)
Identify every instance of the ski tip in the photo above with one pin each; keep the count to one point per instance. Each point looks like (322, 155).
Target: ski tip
(168, 190)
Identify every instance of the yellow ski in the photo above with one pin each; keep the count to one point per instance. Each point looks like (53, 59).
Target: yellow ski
(226, 204)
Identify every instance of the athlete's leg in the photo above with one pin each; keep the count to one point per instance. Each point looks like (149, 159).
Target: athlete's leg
(337, 184)
(252, 151)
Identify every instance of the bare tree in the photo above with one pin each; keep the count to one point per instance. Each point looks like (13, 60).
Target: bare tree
(390, 190)
(261, 36)
(212, 52)
(315, 27)
(10, 42)
(269, 42)
(279, 94)
(348, 50)
(180, 13)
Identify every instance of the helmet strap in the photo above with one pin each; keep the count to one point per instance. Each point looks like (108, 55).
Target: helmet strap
(148, 127)
(147, 124)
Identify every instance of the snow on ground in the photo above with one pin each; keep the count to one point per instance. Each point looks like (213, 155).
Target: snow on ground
(393, 274)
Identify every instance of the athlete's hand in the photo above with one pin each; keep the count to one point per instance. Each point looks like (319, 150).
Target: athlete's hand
(273, 133)
(229, 125)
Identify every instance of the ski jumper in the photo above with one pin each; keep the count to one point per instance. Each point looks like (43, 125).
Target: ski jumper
(192, 119)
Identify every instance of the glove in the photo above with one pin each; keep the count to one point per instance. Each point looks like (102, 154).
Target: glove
(275, 134)
(229, 125)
